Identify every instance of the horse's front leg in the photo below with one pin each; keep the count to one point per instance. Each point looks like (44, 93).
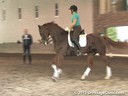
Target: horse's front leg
(90, 63)
(57, 63)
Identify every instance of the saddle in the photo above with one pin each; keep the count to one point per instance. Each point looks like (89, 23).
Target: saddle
(82, 38)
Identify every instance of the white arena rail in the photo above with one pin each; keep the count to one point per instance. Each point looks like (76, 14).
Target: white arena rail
(117, 55)
(114, 55)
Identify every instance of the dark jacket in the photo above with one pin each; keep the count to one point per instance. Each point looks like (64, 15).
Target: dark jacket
(27, 40)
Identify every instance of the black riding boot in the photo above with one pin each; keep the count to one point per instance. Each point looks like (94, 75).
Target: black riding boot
(77, 45)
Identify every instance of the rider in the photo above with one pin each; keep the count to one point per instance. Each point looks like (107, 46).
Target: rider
(76, 26)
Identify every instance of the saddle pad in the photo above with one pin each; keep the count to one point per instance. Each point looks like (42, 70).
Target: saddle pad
(82, 40)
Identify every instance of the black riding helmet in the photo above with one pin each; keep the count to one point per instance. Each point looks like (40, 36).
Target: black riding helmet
(73, 7)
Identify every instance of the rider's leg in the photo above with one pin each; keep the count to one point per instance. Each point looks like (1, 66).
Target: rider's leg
(75, 38)
(77, 45)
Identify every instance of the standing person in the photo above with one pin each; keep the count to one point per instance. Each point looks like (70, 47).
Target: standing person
(27, 42)
(76, 26)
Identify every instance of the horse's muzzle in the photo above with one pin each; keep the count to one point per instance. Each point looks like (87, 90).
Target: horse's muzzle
(45, 43)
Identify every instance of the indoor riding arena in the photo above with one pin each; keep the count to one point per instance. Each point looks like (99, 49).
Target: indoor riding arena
(19, 79)
(103, 17)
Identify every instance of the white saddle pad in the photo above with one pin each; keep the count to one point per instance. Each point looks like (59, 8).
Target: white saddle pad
(82, 40)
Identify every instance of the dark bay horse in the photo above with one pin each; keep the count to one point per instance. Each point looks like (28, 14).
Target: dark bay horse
(95, 44)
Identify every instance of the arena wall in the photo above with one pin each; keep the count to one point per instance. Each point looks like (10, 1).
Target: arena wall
(109, 19)
(11, 29)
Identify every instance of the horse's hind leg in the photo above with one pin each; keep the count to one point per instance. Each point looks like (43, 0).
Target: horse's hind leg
(90, 63)
(108, 68)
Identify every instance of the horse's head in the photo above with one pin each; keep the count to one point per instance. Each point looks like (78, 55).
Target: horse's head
(44, 33)
(50, 32)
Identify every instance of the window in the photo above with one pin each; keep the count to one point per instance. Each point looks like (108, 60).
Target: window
(118, 33)
(36, 11)
(56, 9)
(106, 6)
(118, 5)
(3, 15)
(19, 13)
(126, 4)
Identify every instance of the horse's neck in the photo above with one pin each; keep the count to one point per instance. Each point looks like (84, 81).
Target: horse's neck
(58, 37)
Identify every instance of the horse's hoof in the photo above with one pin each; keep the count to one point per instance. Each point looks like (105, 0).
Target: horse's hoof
(60, 71)
(107, 78)
(82, 78)
(54, 79)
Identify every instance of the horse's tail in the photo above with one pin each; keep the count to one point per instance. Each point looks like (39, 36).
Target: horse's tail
(116, 44)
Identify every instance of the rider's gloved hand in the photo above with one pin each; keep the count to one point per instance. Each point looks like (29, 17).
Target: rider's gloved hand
(67, 29)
